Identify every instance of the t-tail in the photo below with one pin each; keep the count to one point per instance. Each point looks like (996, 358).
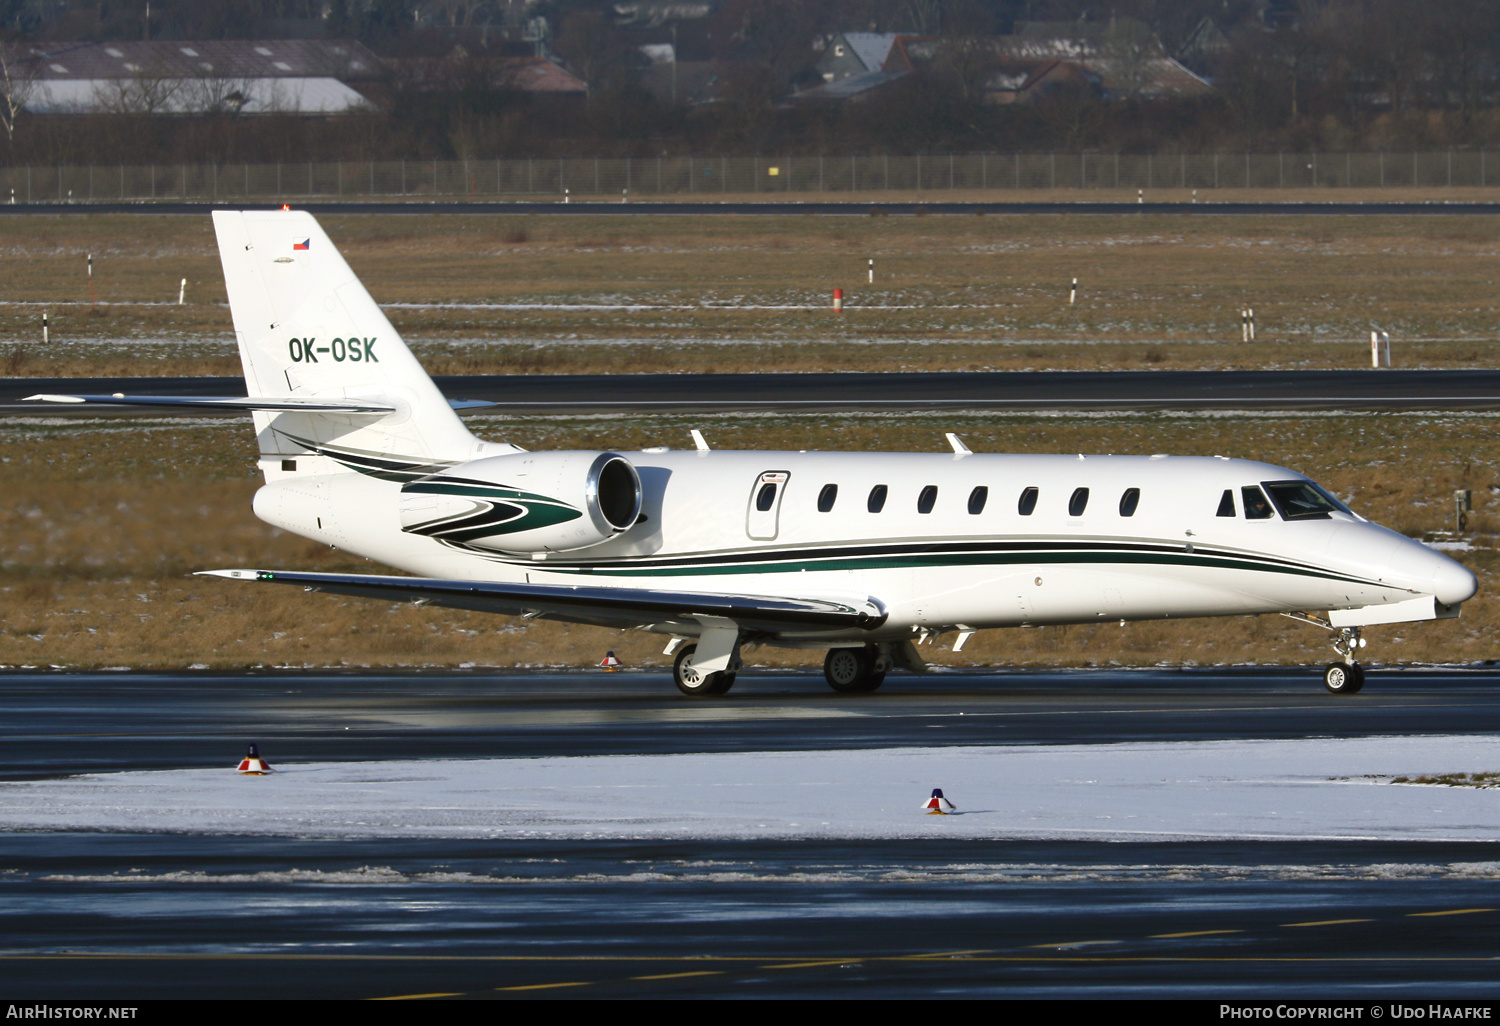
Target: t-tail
(329, 381)
(308, 332)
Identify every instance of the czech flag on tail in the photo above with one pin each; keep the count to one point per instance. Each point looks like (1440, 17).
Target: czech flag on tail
(937, 805)
(305, 244)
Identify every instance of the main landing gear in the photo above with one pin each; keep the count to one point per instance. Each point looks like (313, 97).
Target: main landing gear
(692, 681)
(1347, 677)
(855, 670)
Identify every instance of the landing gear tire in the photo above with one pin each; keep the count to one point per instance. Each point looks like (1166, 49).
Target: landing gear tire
(1344, 678)
(694, 682)
(853, 670)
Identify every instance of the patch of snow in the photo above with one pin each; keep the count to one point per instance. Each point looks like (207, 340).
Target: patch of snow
(1314, 788)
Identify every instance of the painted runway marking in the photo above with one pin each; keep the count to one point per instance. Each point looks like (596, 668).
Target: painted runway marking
(549, 986)
(811, 965)
(420, 997)
(1451, 912)
(681, 976)
(1191, 933)
(1070, 945)
(1329, 922)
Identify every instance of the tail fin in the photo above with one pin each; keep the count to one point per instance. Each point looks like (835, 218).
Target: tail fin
(308, 329)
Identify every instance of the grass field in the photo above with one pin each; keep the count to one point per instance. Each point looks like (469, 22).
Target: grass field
(696, 294)
(104, 521)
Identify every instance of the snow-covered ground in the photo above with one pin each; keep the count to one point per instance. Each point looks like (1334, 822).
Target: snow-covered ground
(1315, 788)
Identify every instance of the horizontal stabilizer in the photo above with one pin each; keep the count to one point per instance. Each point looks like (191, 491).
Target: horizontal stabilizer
(608, 607)
(285, 404)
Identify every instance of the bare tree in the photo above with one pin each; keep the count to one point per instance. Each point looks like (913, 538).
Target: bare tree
(17, 84)
(147, 91)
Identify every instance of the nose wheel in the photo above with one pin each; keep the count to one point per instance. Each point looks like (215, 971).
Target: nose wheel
(1347, 677)
(1344, 678)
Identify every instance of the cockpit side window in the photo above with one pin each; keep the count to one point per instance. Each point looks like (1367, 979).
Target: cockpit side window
(1257, 506)
(1226, 504)
(1302, 500)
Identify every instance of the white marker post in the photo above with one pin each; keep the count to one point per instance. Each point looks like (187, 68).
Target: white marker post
(1386, 338)
(44, 327)
(1244, 325)
(92, 305)
(1073, 292)
(1140, 195)
(1250, 317)
(567, 196)
(625, 195)
(872, 270)
(1375, 349)
(1195, 195)
(181, 291)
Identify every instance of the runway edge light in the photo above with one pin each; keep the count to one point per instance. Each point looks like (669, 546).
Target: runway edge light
(609, 662)
(937, 805)
(253, 765)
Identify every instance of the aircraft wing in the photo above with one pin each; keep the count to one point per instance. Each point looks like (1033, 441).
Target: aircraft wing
(605, 607)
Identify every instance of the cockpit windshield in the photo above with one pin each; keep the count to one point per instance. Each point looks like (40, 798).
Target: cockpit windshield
(1303, 500)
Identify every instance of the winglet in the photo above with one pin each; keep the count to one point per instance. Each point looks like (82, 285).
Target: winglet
(699, 442)
(959, 448)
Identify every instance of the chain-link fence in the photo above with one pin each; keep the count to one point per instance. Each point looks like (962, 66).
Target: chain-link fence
(710, 176)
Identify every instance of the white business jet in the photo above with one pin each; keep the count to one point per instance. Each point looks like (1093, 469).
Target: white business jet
(864, 555)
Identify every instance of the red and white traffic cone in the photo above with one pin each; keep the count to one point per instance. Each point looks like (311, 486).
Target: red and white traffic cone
(937, 805)
(253, 765)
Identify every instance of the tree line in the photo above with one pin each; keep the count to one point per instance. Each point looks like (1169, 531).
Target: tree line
(1292, 75)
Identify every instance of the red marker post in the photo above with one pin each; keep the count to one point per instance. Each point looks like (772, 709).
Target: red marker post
(838, 300)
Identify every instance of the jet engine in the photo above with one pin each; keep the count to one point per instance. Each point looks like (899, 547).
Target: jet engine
(526, 502)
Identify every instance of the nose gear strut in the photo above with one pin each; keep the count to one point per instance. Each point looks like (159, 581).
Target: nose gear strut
(1346, 677)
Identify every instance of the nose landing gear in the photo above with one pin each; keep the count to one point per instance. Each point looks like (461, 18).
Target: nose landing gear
(1343, 678)
(1347, 677)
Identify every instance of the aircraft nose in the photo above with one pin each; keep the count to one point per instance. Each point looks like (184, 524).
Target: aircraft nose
(1452, 582)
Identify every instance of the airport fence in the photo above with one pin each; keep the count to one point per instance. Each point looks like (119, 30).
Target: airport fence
(707, 176)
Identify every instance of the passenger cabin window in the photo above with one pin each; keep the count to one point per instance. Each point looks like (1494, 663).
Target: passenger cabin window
(1257, 506)
(1303, 500)
(766, 497)
(1129, 501)
(1226, 504)
(1027, 505)
(977, 498)
(927, 499)
(877, 498)
(1078, 502)
(827, 497)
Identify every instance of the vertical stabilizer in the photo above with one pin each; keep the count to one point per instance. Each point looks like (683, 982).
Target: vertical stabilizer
(307, 328)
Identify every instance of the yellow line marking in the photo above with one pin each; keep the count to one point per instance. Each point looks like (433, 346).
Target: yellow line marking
(1191, 933)
(947, 954)
(418, 997)
(549, 986)
(1451, 912)
(679, 976)
(1330, 922)
(810, 965)
(1075, 944)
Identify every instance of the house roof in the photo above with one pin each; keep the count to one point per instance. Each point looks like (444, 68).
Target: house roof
(848, 88)
(871, 48)
(342, 59)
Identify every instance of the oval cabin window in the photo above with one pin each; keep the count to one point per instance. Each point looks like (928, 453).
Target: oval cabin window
(877, 498)
(977, 498)
(1027, 505)
(1129, 501)
(827, 497)
(1079, 502)
(766, 497)
(927, 499)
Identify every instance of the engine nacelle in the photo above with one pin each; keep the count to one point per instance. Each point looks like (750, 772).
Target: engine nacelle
(526, 502)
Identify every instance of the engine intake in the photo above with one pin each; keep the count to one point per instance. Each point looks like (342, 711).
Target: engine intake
(527, 502)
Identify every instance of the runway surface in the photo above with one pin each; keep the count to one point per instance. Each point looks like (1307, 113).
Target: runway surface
(187, 914)
(1043, 390)
(658, 207)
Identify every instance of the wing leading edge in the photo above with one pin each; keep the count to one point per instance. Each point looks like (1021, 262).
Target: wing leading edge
(605, 607)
